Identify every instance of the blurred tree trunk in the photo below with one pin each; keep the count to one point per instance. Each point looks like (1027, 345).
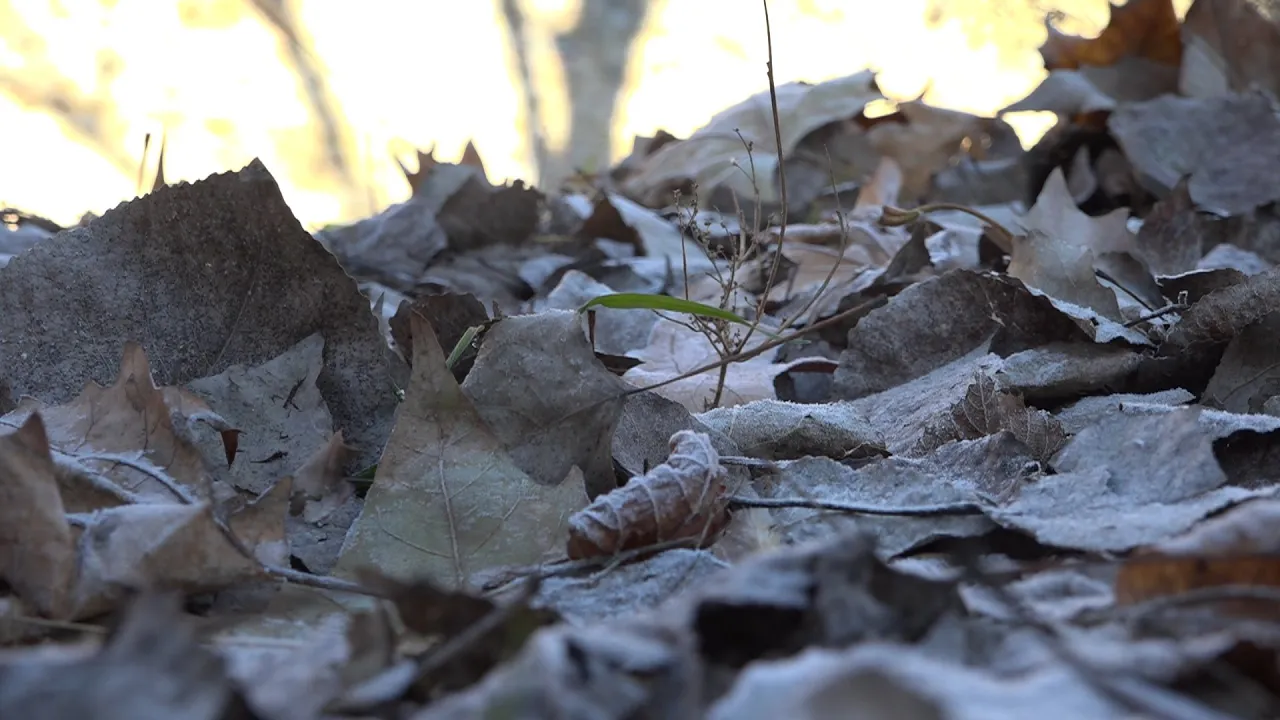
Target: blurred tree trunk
(594, 56)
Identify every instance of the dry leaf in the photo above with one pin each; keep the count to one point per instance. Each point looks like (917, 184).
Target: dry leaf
(37, 558)
(1145, 28)
(924, 140)
(111, 429)
(152, 668)
(684, 497)
(205, 275)
(1057, 255)
(716, 157)
(674, 349)
(159, 545)
(986, 410)
(1230, 45)
(320, 486)
(552, 404)
(1229, 145)
(1238, 547)
(447, 501)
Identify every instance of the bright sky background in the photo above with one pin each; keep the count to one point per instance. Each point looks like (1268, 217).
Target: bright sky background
(422, 72)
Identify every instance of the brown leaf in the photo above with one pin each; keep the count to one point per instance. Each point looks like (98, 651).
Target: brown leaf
(926, 141)
(158, 545)
(105, 426)
(1146, 28)
(1057, 255)
(1231, 45)
(682, 498)
(447, 501)
(986, 410)
(320, 486)
(1223, 314)
(539, 387)
(1238, 547)
(206, 275)
(37, 558)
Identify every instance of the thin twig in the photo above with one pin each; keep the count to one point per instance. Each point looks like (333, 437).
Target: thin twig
(782, 174)
(940, 510)
(896, 216)
(288, 574)
(1170, 308)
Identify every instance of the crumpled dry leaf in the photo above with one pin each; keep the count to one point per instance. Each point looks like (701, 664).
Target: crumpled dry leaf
(716, 157)
(1223, 314)
(987, 409)
(1229, 145)
(553, 405)
(685, 497)
(206, 276)
(112, 430)
(776, 430)
(447, 501)
(674, 350)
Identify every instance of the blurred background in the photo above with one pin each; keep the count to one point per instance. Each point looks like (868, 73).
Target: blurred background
(330, 93)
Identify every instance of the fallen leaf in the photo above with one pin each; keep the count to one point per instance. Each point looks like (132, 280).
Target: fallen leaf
(123, 430)
(1227, 144)
(988, 409)
(237, 282)
(685, 497)
(152, 668)
(1145, 28)
(540, 389)
(674, 349)
(278, 408)
(447, 501)
(715, 156)
(1230, 45)
(320, 486)
(1057, 255)
(37, 557)
(1238, 547)
(165, 545)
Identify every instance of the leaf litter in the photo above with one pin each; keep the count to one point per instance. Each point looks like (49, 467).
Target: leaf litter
(992, 432)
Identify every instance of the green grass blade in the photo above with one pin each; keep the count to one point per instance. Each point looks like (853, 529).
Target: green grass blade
(644, 301)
